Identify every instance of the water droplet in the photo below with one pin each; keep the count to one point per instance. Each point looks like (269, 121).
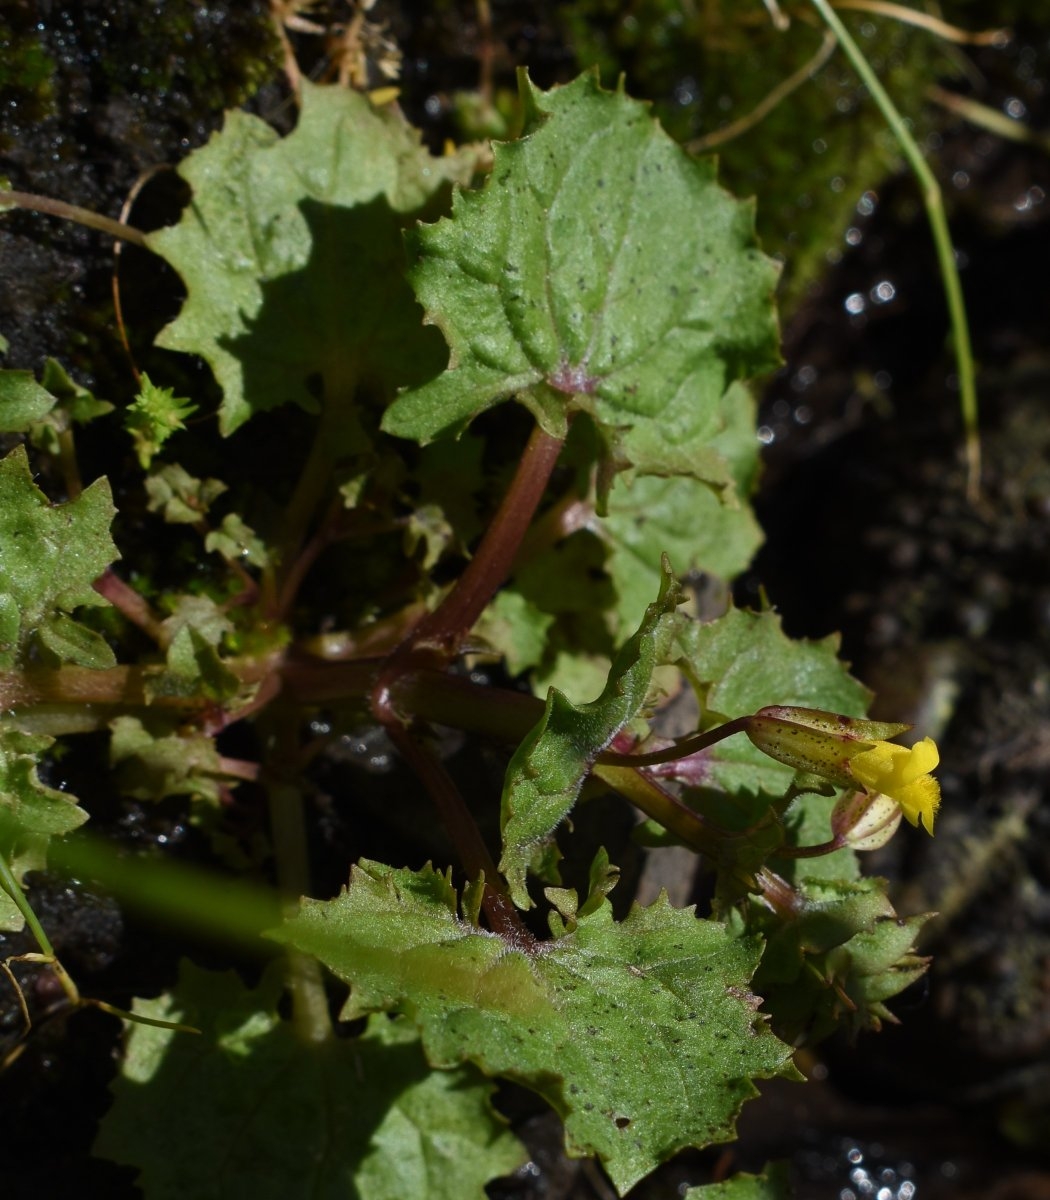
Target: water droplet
(855, 304)
(883, 292)
(867, 204)
(804, 377)
(961, 180)
(854, 237)
(686, 91)
(1029, 199)
(766, 435)
(1015, 108)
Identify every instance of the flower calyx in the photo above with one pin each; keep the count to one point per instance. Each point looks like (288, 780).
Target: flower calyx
(855, 753)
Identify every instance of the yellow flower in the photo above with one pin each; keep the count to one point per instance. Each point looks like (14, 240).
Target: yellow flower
(852, 753)
(904, 776)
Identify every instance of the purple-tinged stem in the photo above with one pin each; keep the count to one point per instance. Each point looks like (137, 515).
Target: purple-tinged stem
(454, 617)
(474, 856)
(680, 749)
(129, 603)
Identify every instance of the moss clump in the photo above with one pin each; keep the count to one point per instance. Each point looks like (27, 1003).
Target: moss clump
(812, 158)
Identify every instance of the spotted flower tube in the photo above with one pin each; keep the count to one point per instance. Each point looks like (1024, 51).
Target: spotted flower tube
(852, 753)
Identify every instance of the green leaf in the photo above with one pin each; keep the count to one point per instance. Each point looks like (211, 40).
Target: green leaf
(151, 766)
(602, 270)
(518, 628)
(44, 409)
(291, 254)
(843, 954)
(236, 541)
(579, 642)
(548, 768)
(206, 617)
(152, 417)
(181, 498)
(641, 1035)
(193, 668)
(67, 641)
(31, 813)
(247, 1111)
(50, 554)
(428, 529)
(773, 1184)
(743, 661)
(22, 401)
(698, 527)
(78, 405)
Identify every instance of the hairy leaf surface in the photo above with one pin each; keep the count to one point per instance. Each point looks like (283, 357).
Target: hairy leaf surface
(548, 769)
(641, 1035)
(837, 963)
(600, 269)
(743, 661)
(50, 554)
(31, 813)
(291, 254)
(695, 526)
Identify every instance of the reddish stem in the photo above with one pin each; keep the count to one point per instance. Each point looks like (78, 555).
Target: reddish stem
(438, 636)
(239, 768)
(454, 617)
(298, 570)
(474, 855)
(836, 843)
(680, 749)
(133, 606)
(778, 894)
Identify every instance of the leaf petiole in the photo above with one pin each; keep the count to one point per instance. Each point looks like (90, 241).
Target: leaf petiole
(73, 212)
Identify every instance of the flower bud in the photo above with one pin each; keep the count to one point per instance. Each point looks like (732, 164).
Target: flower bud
(853, 753)
(865, 820)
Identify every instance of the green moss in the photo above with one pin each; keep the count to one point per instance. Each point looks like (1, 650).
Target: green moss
(218, 55)
(810, 159)
(26, 69)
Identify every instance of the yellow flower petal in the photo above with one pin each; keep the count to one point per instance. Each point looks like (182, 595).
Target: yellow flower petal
(920, 800)
(904, 776)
